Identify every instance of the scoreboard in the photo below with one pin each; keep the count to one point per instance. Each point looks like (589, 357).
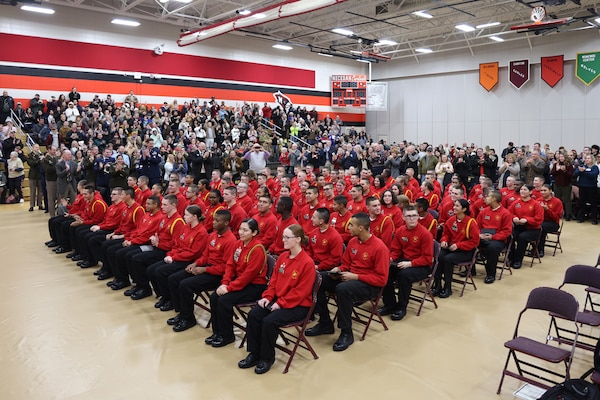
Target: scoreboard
(348, 90)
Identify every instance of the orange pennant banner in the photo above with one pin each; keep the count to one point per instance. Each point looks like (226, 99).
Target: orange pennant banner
(488, 75)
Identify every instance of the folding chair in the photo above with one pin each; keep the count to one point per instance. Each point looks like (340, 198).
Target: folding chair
(554, 241)
(592, 290)
(242, 309)
(549, 300)
(534, 251)
(505, 261)
(202, 300)
(468, 268)
(298, 336)
(425, 293)
(594, 372)
(578, 275)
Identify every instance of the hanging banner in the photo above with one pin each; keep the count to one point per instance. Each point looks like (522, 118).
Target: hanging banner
(518, 73)
(488, 75)
(553, 69)
(588, 67)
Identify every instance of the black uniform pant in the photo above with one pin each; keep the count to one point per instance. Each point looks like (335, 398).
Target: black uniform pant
(588, 195)
(85, 243)
(100, 251)
(119, 257)
(521, 237)
(547, 226)
(263, 328)
(183, 286)
(55, 226)
(221, 307)
(405, 278)
(159, 276)
(138, 264)
(64, 236)
(447, 260)
(491, 250)
(76, 232)
(347, 293)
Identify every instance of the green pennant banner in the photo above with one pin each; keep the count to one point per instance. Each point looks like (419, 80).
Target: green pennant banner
(588, 67)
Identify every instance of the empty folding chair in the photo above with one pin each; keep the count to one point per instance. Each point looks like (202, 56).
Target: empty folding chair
(534, 251)
(578, 275)
(553, 239)
(524, 351)
(422, 292)
(592, 290)
(505, 266)
(465, 271)
(298, 336)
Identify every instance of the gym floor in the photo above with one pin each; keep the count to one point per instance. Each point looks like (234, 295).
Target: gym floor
(68, 336)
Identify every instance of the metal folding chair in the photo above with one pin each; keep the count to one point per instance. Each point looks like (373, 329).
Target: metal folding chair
(424, 293)
(525, 350)
(553, 239)
(468, 268)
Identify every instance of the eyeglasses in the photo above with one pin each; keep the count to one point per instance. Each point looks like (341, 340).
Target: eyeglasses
(288, 237)
(412, 216)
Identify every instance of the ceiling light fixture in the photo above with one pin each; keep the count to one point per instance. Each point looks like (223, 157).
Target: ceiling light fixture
(386, 42)
(325, 54)
(465, 28)
(244, 12)
(281, 46)
(488, 25)
(423, 50)
(597, 20)
(41, 10)
(259, 16)
(423, 14)
(125, 22)
(363, 61)
(496, 38)
(342, 31)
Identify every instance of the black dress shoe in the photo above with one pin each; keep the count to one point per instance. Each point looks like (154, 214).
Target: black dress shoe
(159, 303)
(541, 254)
(141, 293)
(98, 271)
(320, 329)
(104, 276)
(77, 257)
(175, 320)
(516, 265)
(263, 366)
(210, 339)
(344, 341)
(87, 264)
(60, 250)
(111, 283)
(594, 222)
(447, 292)
(436, 291)
(220, 341)
(71, 254)
(51, 243)
(131, 291)
(46, 212)
(250, 361)
(398, 315)
(30, 209)
(489, 279)
(120, 285)
(463, 274)
(184, 325)
(386, 310)
(167, 305)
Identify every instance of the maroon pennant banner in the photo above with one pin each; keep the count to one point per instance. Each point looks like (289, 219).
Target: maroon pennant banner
(552, 69)
(518, 73)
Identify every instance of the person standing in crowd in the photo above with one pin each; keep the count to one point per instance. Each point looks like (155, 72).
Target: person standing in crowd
(587, 180)
(66, 180)
(257, 158)
(34, 160)
(15, 177)
(562, 171)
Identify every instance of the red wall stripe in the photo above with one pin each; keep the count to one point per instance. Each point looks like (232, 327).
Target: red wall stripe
(28, 49)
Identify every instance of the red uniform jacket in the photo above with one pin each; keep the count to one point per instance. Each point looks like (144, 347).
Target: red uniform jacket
(220, 250)
(168, 229)
(246, 203)
(78, 206)
(292, 281)
(209, 217)
(383, 228)
(464, 234)
(113, 217)
(147, 227)
(305, 216)
(433, 199)
(182, 203)
(369, 259)
(190, 244)
(247, 266)
(509, 197)
(132, 215)
(477, 206)
(267, 228)
(446, 210)
(277, 246)
(356, 207)
(142, 195)
(340, 224)
(554, 211)
(414, 245)
(499, 219)
(430, 224)
(237, 216)
(326, 248)
(395, 212)
(198, 202)
(530, 210)
(95, 211)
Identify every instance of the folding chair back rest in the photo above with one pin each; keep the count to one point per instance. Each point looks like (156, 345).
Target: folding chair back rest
(270, 266)
(436, 251)
(553, 300)
(597, 262)
(582, 275)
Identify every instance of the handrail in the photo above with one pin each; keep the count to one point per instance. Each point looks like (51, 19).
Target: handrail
(19, 125)
(275, 129)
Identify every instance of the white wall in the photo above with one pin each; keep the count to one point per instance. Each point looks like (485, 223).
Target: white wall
(439, 99)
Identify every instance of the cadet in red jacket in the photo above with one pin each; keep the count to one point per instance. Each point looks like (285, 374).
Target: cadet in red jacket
(205, 273)
(495, 224)
(95, 209)
(528, 216)
(244, 281)
(287, 298)
(412, 259)
(340, 217)
(460, 238)
(553, 210)
(58, 225)
(382, 225)
(364, 270)
(325, 245)
(284, 209)
(425, 217)
(267, 222)
(191, 244)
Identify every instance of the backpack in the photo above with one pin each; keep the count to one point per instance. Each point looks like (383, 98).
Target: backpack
(572, 389)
